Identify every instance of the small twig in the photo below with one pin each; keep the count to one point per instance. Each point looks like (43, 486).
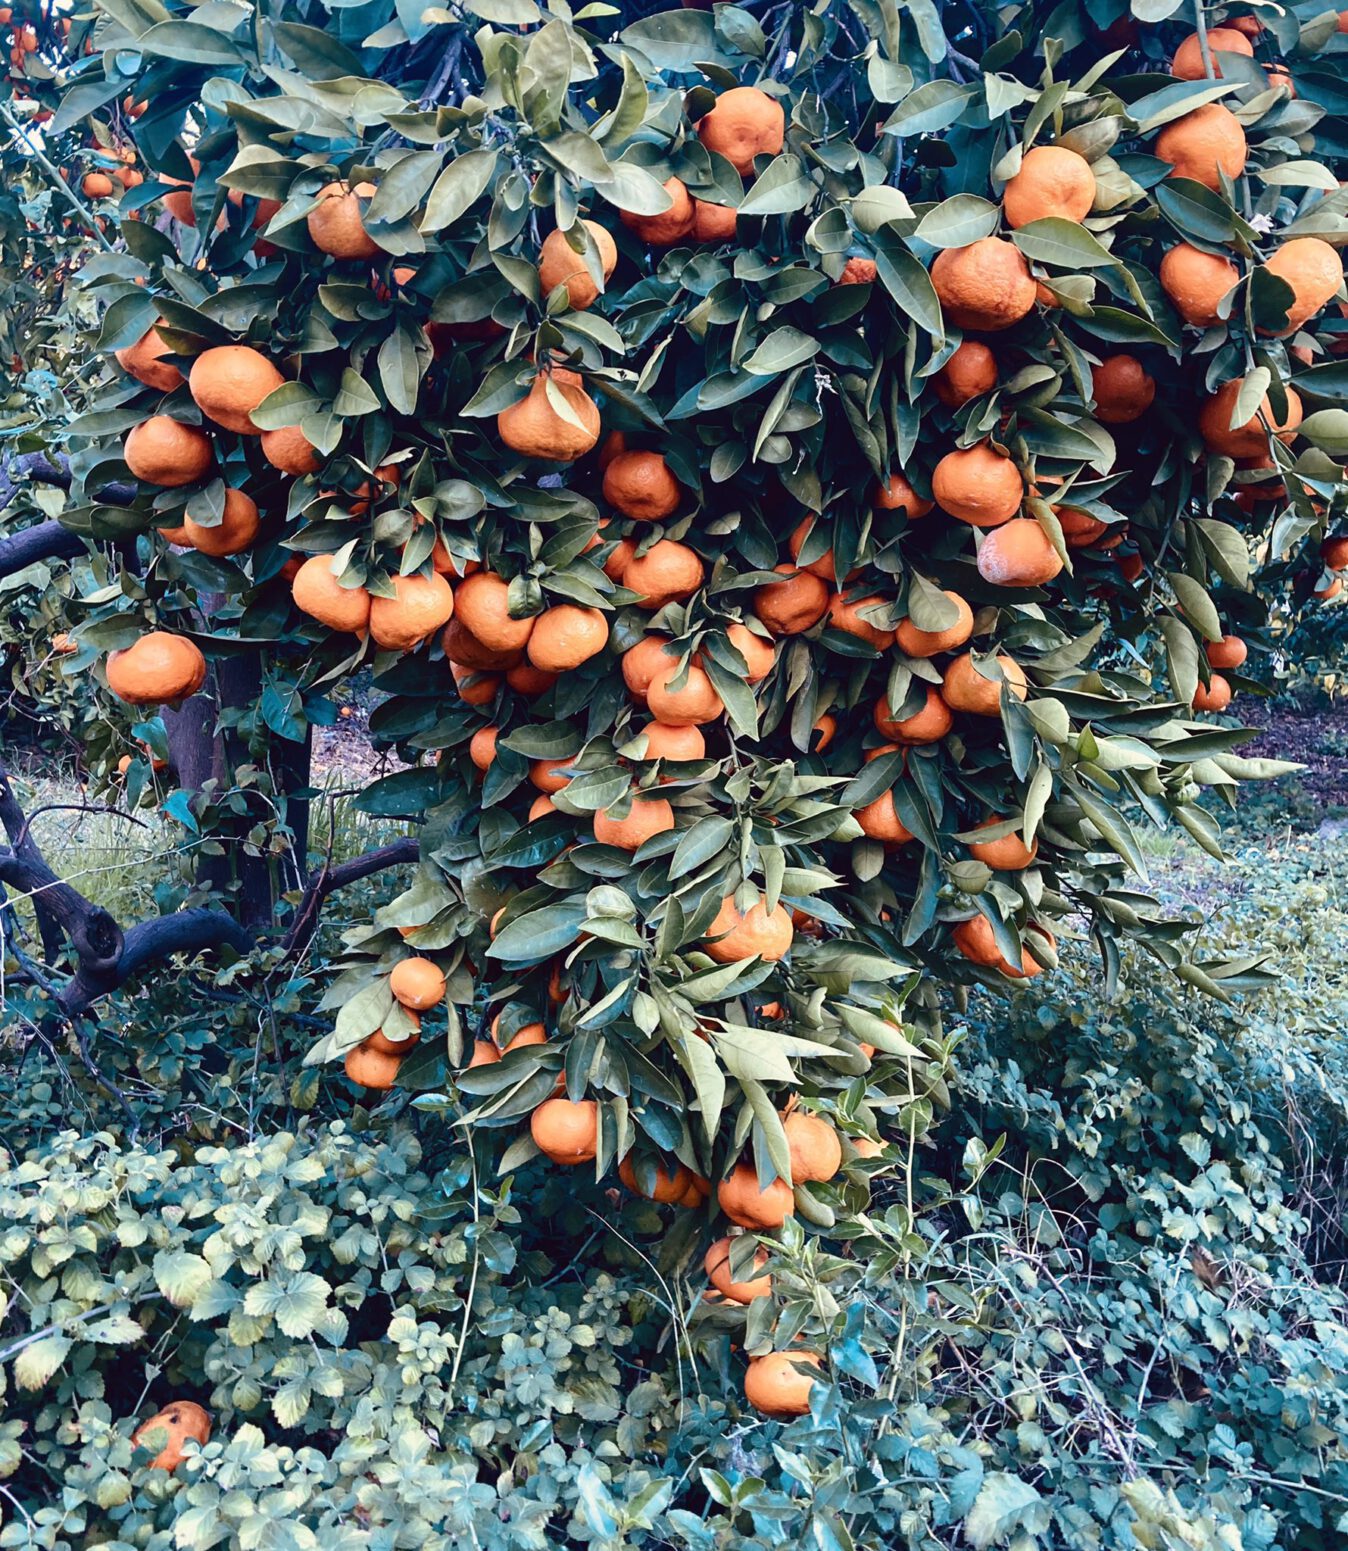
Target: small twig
(58, 182)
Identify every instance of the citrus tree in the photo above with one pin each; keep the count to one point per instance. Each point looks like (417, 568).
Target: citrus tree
(801, 480)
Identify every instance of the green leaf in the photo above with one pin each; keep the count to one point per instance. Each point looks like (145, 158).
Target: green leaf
(457, 189)
(1327, 429)
(181, 1276)
(531, 938)
(782, 349)
(783, 189)
(931, 108)
(908, 283)
(1004, 1505)
(1064, 244)
(189, 42)
(958, 221)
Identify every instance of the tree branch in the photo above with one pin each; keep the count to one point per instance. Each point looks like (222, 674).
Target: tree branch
(186, 931)
(44, 541)
(328, 879)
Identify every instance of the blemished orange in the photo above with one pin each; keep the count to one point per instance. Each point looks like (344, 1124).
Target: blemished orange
(897, 495)
(421, 605)
(566, 635)
(560, 264)
(1018, 554)
(744, 123)
(1006, 853)
(646, 818)
(667, 572)
(1314, 270)
(667, 227)
(643, 661)
(740, 1198)
(481, 606)
(964, 688)
(534, 429)
(978, 485)
(713, 223)
(1196, 282)
(318, 593)
(791, 606)
(930, 643)
(778, 1384)
(667, 1185)
(158, 669)
(759, 655)
(291, 451)
(816, 1152)
(683, 697)
(664, 741)
(164, 451)
(482, 747)
(1249, 439)
(859, 271)
(145, 362)
(986, 286)
(823, 567)
(716, 1263)
(371, 1068)
(755, 933)
(879, 820)
(181, 1421)
(1229, 652)
(417, 983)
(1122, 388)
(1215, 695)
(1204, 144)
(234, 533)
(228, 382)
(566, 1131)
(1052, 181)
(337, 224)
(845, 614)
(970, 372)
(928, 725)
(1188, 61)
(640, 485)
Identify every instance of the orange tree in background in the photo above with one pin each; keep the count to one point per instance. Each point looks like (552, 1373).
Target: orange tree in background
(800, 477)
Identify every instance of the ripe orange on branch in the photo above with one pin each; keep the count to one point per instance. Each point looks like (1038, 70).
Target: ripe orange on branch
(145, 362)
(535, 429)
(744, 123)
(986, 286)
(228, 382)
(337, 224)
(757, 932)
(158, 669)
(1052, 181)
(559, 264)
(164, 451)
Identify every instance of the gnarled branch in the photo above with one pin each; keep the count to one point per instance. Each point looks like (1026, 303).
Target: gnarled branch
(328, 879)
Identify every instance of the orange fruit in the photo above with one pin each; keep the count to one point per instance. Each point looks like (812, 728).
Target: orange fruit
(713, 223)
(845, 614)
(480, 606)
(1314, 270)
(880, 821)
(974, 939)
(566, 1131)
(1229, 652)
(759, 655)
(667, 572)
(640, 486)
(544, 773)
(749, 1207)
(530, 1034)
(560, 264)
(827, 728)
(1018, 554)
(643, 661)
(1251, 438)
(158, 669)
(1204, 144)
(824, 567)
(417, 983)
(1080, 529)
(779, 1384)
(228, 382)
(897, 495)
(386, 1046)
(371, 1068)
(540, 807)
(791, 606)
(96, 185)
(669, 226)
(525, 679)
(291, 451)
(534, 429)
(145, 362)
(1052, 181)
(816, 1152)
(744, 123)
(859, 271)
(1122, 389)
(482, 747)
(964, 688)
(566, 635)
(969, 373)
(1329, 590)
(421, 605)
(318, 593)
(484, 1054)
(716, 1264)
(463, 647)
(1007, 853)
(667, 1185)
(690, 703)
(646, 818)
(1188, 61)
(1215, 695)
(675, 743)
(336, 223)
(181, 1421)
(1196, 282)
(985, 287)
(1334, 551)
(163, 451)
(756, 933)
(235, 531)
(929, 725)
(978, 485)
(930, 643)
